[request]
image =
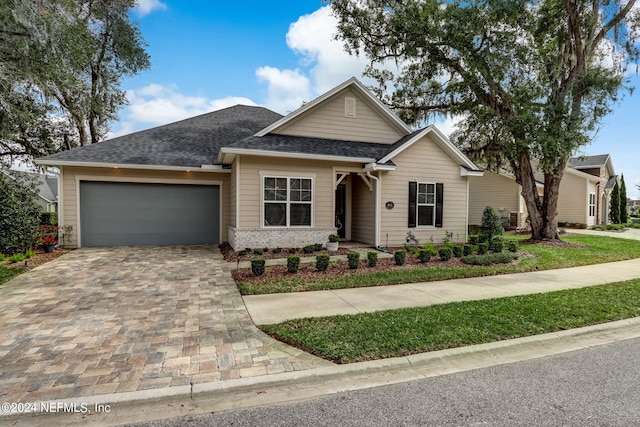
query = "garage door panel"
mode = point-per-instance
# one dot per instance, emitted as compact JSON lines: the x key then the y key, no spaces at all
{"x":116,"y":214}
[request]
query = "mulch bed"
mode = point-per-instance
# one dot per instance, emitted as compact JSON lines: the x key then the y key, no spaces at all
{"x":556,"y":243}
{"x":40,"y":258}
{"x":232,"y":256}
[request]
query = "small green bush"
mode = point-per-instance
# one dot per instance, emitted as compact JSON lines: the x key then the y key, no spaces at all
{"x":424,"y":255}
{"x":468,"y":249}
{"x":497,"y":246}
{"x":265,"y":250}
{"x":372,"y":259}
{"x":491,"y":224}
{"x":248,"y":250}
{"x":258,"y":251}
{"x":258,"y":266}
{"x":293,"y":263}
{"x":474,"y":240}
{"x":457,"y":251}
{"x":2,"y":257}
{"x":276,"y":250}
{"x":29,"y":253}
{"x":429,"y":247}
{"x":49,"y":218}
{"x":354,"y":260}
{"x":412,"y":249}
{"x":242,"y":253}
{"x":445,"y":253}
{"x":16,"y":258}
{"x":322,"y":262}
{"x":483,"y":248}
{"x":488,"y":259}
{"x":309,"y":249}
{"x":293,"y":250}
{"x":399,"y":257}
{"x":317,"y":246}
{"x":512,"y":245}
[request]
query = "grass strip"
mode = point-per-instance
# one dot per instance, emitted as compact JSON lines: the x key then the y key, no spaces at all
{"x":391,"y":333}
{"x":7,"y":273}
{"x":601,"y":249}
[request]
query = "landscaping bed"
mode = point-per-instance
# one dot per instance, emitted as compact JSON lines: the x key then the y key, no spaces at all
{"x":9,"y":270}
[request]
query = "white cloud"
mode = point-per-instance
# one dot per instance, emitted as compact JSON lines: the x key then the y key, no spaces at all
{"x":323,"y":65}
{"x":155,"y":105}
{"x":287,"y":89}
{"x":145,"y":7}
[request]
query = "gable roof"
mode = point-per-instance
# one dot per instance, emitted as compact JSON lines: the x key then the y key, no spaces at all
{"x":587,"y":162}
{"x":46,"y":186}
{"x":189,"y":143}
{"x":357,"y":87}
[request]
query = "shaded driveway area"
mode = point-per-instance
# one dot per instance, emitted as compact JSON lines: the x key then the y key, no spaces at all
{"x":108,"y":320}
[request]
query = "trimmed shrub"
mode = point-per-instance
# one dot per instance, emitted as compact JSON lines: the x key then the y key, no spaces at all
{"x":19,"y":216}
{"x":491,"y":224}
{"x":293,"y":250}
{"x":424,"y":255}
{"x":354,"y":260}
{"x":322,"y":262}
{"x":497,"y":246}
{"x":258,"y":266}
{"x":488,"y":259}
{"x":309,"y":249}
{"x":242,"y":253}
{"x":265,"y":250}
{"x":258,"y":251}
{"x":468,"y":250}
{"x":483,"y":248}
{"x":49,"y":218}
{"x":412,"y":249}
{"x":276,"y":250}
{"x":457,"y":251}
{"x":512,"y":245}
{"x":29,"y":253}
{"x":293,"y":263}
{"x":372,"y":259}
{"x":399,"y":257}
{"x":429,"y":247}
{"x":248,"y":250}
{"x":474,"y":240}
{"x":317,"y":247}
{"x":445,"y":253}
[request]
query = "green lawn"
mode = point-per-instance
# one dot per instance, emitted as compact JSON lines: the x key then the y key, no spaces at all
{"x":384,"y":334}
{"x":601,"y":249}
{"x":7,"y":273}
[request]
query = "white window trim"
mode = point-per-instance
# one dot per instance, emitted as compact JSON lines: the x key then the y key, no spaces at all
{"x":592,"y":205}
{"x":288,"y":177}
{"x":418,"y":204}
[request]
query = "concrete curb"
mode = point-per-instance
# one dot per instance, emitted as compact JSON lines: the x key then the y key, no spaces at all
{"x":144,"y":405}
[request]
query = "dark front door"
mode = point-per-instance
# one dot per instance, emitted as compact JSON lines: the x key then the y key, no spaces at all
{"x":341,"y":210}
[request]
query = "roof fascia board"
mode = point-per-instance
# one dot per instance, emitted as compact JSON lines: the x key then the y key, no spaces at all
{"x":383,"y":109}
{"x":441,"y":139}
{"x":581,"y":174}
{"x":207,"y":168}
{"x":293,"y":155}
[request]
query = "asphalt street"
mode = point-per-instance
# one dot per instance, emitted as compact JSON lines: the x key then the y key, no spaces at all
{"x":599,"y":386}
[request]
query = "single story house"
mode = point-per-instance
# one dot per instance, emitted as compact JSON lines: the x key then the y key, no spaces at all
{"x":44,"y":187}
{"x":343,"y":163}
{"x":584,"y":194}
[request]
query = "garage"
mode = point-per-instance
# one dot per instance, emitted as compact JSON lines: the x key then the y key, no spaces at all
{"x":144,"y":214}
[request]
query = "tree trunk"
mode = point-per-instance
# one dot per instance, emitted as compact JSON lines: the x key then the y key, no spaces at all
{"x":543,"y":213}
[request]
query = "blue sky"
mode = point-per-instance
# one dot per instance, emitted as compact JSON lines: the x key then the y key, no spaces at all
{"x":209,"y":55}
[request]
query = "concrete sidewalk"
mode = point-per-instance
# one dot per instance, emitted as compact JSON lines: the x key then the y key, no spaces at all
{"x":275,"y":308}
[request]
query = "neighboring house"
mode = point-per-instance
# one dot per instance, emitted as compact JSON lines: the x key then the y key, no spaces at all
{"x":44,"y":187}
{"x":584,"y":194}
{"x":341,"y":163}
{"x":633,"y":206}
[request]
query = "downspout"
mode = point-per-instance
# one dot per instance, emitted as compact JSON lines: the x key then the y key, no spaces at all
{"x":377,"y":217}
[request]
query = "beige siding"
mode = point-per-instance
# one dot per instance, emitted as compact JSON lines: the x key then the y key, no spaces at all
{"x":426,"y":162}
{"x":70,"y":178}
{"x":233,"y":181}
{"x":499,"y":192}
{"x":363,"y":212}
{"x":250,"y":186}
{"x":573,"y":200}
{"x":328,"y":120}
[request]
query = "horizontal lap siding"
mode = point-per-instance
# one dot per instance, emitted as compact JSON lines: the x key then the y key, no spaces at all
{"x":250,"y":187}
{"x":424,"y":161}
{"x":328,"y":121}
{"x":573,"y":200}
{"x":492,"y":190}
{"x":70,"y":201}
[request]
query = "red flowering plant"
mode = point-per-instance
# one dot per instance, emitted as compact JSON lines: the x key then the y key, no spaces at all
{"x":46,"y":241}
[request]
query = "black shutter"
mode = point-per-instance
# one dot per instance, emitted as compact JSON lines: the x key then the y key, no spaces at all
{"x":439,"y":203}
{"x":413,"y":197}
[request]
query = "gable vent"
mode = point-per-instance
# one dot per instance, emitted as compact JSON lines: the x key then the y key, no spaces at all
{"x":349,"y":107}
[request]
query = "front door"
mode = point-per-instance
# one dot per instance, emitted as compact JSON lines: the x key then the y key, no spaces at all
{"x":341,"y":210}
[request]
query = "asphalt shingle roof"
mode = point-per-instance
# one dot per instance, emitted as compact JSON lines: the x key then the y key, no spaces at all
{"x":587,"y":161}
{"x":190,"y":143}
{"x":46,"y":186}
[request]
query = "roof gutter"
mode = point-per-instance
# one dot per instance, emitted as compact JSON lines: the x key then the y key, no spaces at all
{"x":291,"y":155}
{"x":202,"y":168}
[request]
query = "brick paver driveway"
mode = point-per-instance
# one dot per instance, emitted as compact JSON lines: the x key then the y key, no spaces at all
{"x":106,"y":320}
